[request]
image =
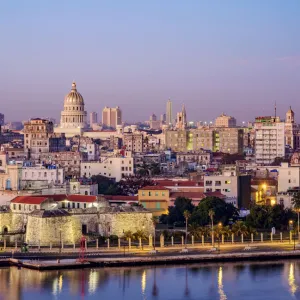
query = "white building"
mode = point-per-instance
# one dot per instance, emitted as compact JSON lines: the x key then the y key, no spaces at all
{"x":226,"y":185}
{"x":269,"y":139}
{"x":50,"y":174}
{"x":73,"y":117}
{"x":115,"y":166}
{"x":288,"y":177}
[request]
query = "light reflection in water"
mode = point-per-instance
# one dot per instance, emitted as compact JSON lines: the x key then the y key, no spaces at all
{"x":220,"y":284}
{"x":57,"y":285}
{"x":93,"y":281}
{"x":292,"y":283}
{"x":143,"y":283}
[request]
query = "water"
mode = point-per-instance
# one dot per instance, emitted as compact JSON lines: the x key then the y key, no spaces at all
{"x":269,"y":280}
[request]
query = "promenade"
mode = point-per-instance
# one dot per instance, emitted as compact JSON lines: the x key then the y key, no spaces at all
{"x":67,"y":258}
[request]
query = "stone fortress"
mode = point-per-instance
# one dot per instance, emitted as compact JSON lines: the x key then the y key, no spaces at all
{"x":63,"y":219}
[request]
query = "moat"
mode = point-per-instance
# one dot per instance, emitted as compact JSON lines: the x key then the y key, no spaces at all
{"x":255,"y":280}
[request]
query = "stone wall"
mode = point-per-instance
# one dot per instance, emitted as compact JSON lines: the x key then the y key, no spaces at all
{"x":53,"y":230}
{"x":117,"y":223}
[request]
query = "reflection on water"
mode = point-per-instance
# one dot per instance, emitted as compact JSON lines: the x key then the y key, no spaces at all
{"x":273,"y":280}
{"x":292,"y":281}
{"x":220,"y":284}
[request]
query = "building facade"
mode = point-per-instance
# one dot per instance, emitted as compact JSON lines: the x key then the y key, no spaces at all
{"x":269,"y":139}
{"x":111,"y":117}
{"x":169,"y":113}
{"x":225,"y":121}
{"x":39,"y":138}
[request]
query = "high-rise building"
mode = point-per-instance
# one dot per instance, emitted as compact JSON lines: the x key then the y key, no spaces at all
{"x":169,"y":114}
{"x":269,"y":139}
{"x":163,"y":118}
{"x":93,"y":118}
{"x":225,"y":121}
{"x":1,"y":119}
{"x":111,"y":117}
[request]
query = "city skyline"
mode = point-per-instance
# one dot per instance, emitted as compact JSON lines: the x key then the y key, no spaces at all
{"x":237,"y":58}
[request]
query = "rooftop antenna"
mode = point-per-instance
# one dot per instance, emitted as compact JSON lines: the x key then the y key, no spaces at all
{"x":275,"y":109}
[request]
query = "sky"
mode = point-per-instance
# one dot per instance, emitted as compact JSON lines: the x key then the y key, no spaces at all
{"x":236,"y":57}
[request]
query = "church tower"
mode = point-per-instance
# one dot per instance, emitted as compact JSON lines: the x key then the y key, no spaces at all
{"x":181,"y":119}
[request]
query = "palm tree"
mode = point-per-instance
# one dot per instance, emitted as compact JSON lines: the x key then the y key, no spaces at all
{"x":186,"y":215}
{"x":194,"y":230}
{"x":226,"y":231}
{"x":155,"y":222}
{"x":296,"y":205}
{"x":211,"y":214}
{"x":128,"y":235}
{"x":240,"y":228}
{"x":205,"y":231}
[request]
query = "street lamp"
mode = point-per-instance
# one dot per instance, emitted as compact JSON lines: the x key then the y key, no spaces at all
{"x":291,"y":222}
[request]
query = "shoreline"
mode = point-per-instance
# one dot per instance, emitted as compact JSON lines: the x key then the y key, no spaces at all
{"x":152,"y":260}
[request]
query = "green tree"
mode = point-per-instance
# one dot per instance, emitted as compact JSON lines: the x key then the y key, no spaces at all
{"x":296,"y":206}
{"x":239,"y":228}
{"x":223,"y":211}
{"x":154,"y":222}
{"x":186,"y":215}
{"x":140,"y":234}
{"x":128,"y":235}
{"x":195,"y":230}
{"x":176,"y":212}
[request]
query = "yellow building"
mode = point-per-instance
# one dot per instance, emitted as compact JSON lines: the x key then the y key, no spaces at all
{"x":156,"y":199}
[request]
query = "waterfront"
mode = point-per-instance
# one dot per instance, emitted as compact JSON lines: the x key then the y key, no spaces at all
{"x":267,"y":280}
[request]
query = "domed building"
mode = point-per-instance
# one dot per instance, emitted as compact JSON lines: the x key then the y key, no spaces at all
{"x":73,"y":117}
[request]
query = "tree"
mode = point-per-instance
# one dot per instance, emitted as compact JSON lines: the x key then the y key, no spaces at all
{"x":266,"y":217}
{"x":223,"y":211}
{"x":176,"y":212}
{"x":205,"y":231}
{"x":186,"y":215}
{"x":239,"y":228}
{"x":194,"y":230}
{"x":226,"y":231}
{"x":128,"y":235}
{"x":140,"y":234}
{"x":154,"y":222}
{"x":106,"y":186}
{"x":211,"y":214}
{"x":296,"y":205}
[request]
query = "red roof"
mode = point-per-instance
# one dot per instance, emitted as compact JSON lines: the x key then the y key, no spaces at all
{"x":191,"y":195}
{"x":124,"y":198}
{"x":29,"y":199}
{"x":32,"y":199}
{"x":215,"y":194}
{"x":154,"y":187}
{"x":179,"y":183}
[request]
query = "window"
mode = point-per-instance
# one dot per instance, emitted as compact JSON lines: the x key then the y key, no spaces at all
{"x":156,"y":194}
{"x":73,"y":205}
{"x":143,"y":193}
{"x":227,"y":181}
{"x":20,"y":207}
{"x":157,"y":205}
{"x":14,"y":206}
{"x":69,"y":205}
{"x":35,"y":207}
{"x":218,"y":183}
{"x":78,"y":205}
{"x":86,"y":193}
{"x":162,"y":193}
{"x":150,"y":193}
{"x":84,"y":205}
{"x":63,"y":205}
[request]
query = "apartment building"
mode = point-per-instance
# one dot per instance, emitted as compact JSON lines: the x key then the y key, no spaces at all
{"x":269,"y":139}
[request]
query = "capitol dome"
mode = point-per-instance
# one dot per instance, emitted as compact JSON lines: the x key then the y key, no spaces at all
{"x":73,"y":115}
{"x":74,"y":97}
